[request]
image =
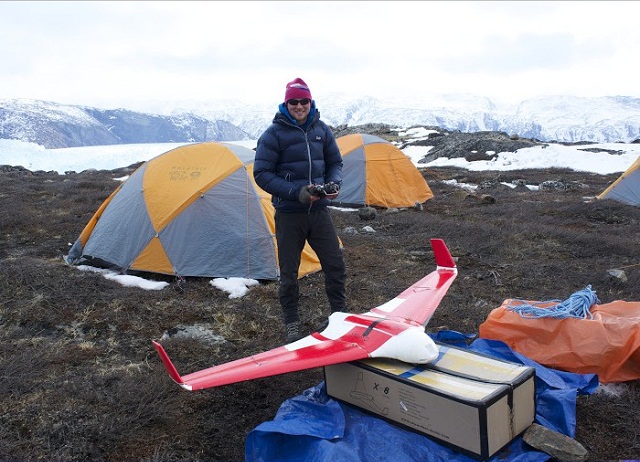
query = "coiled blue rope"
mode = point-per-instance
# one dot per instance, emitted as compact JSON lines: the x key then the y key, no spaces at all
{"x":578,"y":305}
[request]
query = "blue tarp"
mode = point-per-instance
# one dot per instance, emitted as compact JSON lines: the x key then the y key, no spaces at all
{"x":314,"y":427}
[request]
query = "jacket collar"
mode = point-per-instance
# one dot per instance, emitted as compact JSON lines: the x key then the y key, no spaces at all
{"x":282,"y":108}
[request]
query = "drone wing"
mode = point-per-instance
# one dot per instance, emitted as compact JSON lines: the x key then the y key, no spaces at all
{"x":395,"y":329}
{"x":307,"y":353}
{"x":420,"y":301}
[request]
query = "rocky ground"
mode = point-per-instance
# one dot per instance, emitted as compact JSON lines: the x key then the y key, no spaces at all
{"x":80,"y":381}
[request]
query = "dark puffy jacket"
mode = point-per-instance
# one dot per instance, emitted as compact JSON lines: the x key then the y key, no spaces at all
{"x":290,"y":157}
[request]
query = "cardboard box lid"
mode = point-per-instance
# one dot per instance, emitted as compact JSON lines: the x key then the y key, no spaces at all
{"x":477,"y":366}
{"x":458,"y":388}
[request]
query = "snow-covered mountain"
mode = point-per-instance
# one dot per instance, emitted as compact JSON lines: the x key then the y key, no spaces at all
{"x":54,"y":125}
{"x":550,"y":118}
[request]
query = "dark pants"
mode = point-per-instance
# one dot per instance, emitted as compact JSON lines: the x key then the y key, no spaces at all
{"x":316,"y":227}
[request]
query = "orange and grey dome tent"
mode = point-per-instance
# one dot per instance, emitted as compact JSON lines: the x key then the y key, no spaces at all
{"x":626,"y":188}
{"x":377,"y":173}
{"x":192,"y":211}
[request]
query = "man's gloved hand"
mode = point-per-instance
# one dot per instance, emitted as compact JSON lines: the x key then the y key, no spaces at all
{"x":332,"y":190}
{"x":305,"y":196}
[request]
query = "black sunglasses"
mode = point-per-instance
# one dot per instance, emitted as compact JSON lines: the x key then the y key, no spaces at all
{"x":295,"y":102}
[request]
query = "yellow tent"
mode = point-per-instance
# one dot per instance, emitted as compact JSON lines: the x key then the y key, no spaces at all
{"x":192,"y":211}
{"x":377,"y":173}
{"x":626,"y":188}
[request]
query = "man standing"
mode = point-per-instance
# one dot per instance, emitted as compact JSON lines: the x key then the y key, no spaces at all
{"x":298,"y":162}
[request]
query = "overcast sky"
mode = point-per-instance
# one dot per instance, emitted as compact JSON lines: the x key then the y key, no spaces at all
{"x":141,"y":55}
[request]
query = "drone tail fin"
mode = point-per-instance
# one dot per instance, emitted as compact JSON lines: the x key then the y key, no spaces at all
{"x":171,"y":369}
{"x":442,"y":255}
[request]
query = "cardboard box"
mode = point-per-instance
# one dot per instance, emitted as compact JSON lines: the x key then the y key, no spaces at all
{"x":471,"y":402}
{"x":483,"y":368}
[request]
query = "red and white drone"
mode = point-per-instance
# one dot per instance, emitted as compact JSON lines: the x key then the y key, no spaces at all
{"x":395,"y":329}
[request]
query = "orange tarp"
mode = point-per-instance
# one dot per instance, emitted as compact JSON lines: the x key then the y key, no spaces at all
{"x":607,"y":345}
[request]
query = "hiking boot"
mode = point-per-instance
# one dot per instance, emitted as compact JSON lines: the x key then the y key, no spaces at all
{"x":293,"y":332}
